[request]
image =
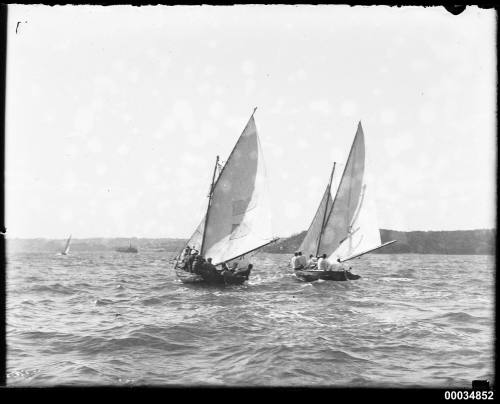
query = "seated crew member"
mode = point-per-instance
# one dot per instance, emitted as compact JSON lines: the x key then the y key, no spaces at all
{"x":186,"y":252}
{"x":323,"y":263}
{"x":294,"y":259}
{"x":296,"y":262}
{"x":209,"y":266}
{"x":337,"y":266}
{"x":245,"y":271}
{"x":185,"y":264}
{"x":197,"y":264}
{"x":302,"y":260}
{"x":191,"y":259}
{"x":313,"y":261}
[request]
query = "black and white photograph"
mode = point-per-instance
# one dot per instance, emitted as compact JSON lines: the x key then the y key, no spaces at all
{"x":251,"y":196}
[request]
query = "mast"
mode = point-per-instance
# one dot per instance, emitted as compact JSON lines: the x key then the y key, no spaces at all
{"x":208,"y":206}
{"x":326,"y":208}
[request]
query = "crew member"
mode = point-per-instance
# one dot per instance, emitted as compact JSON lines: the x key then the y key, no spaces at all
{"x":296,"y":264}
{"x":302,"y":260}
{"x":337,"y":266}
{"x":186,"y":252}
{"x":197,"y":264}
{"x":209,"y":266}
{"x":323,"y":263}
{"x":313,"y":261}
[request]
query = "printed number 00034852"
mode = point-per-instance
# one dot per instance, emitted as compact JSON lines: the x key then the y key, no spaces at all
{"x":468,"y":395}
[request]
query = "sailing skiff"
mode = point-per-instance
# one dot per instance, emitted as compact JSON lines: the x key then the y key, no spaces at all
{"x":66,"y":249}
{"x":344,"y":227}
{"x":237,"y":222}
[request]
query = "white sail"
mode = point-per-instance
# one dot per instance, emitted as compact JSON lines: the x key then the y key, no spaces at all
{"x":365,"y":233}
{"x":345,"y":203}
{"x":195,"y":239}
{"x":239,"y":217}
{"x":352,"y":227}
{"x":310,"y":243}
{"x":66,"y":249}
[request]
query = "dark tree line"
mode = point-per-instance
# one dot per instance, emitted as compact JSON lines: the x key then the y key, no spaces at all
{"x":460,"y":242}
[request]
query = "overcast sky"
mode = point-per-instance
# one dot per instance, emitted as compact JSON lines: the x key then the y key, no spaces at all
{"x":115,"y":114}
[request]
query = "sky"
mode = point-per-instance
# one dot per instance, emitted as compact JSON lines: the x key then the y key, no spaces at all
{"x":115,"y":114}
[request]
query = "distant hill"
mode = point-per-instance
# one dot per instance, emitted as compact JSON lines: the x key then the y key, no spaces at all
{"x":459,"y":242}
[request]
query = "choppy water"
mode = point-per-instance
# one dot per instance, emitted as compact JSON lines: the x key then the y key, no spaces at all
{"x":111,"y":318}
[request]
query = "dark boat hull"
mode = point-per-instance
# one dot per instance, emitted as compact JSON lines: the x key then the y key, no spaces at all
{"x":314,"y":275}
{"x":127,"y":250}
{"x":188,"y":277}
{"x":213,"y":278}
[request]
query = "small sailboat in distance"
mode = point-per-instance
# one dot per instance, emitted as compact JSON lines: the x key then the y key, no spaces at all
{"x":237,"y":221}
{"x":66,"y":249}
{"x":344,"y":227}
{"x":129,"y":249}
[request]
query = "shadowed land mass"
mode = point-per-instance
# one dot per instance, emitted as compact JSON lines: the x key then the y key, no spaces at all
{"x":416,"y":242}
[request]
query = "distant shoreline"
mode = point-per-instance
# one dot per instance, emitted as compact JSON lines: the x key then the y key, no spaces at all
{"x":451,"y":242}
{"x":446,"y":242}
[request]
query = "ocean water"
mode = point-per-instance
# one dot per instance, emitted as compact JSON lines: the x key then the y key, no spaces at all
{"x":107,"y":318}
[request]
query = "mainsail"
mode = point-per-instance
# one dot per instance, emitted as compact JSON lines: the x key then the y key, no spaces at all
{"x":66,"y":249}
{"x":238,"y":218}
{"x":338,"y":223}
{"x":350,"y":228}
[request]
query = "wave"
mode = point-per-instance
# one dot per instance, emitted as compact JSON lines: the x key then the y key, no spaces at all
{"x":137,"y":341}
{"x":103,"y":302}
{"x":397,"y":279}
{"x":56,"y":288}
{"x":151,"y":301}
{"x":459,"y":317}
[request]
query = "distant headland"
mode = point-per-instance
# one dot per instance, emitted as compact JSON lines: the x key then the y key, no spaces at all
{"x":456,"y":242}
